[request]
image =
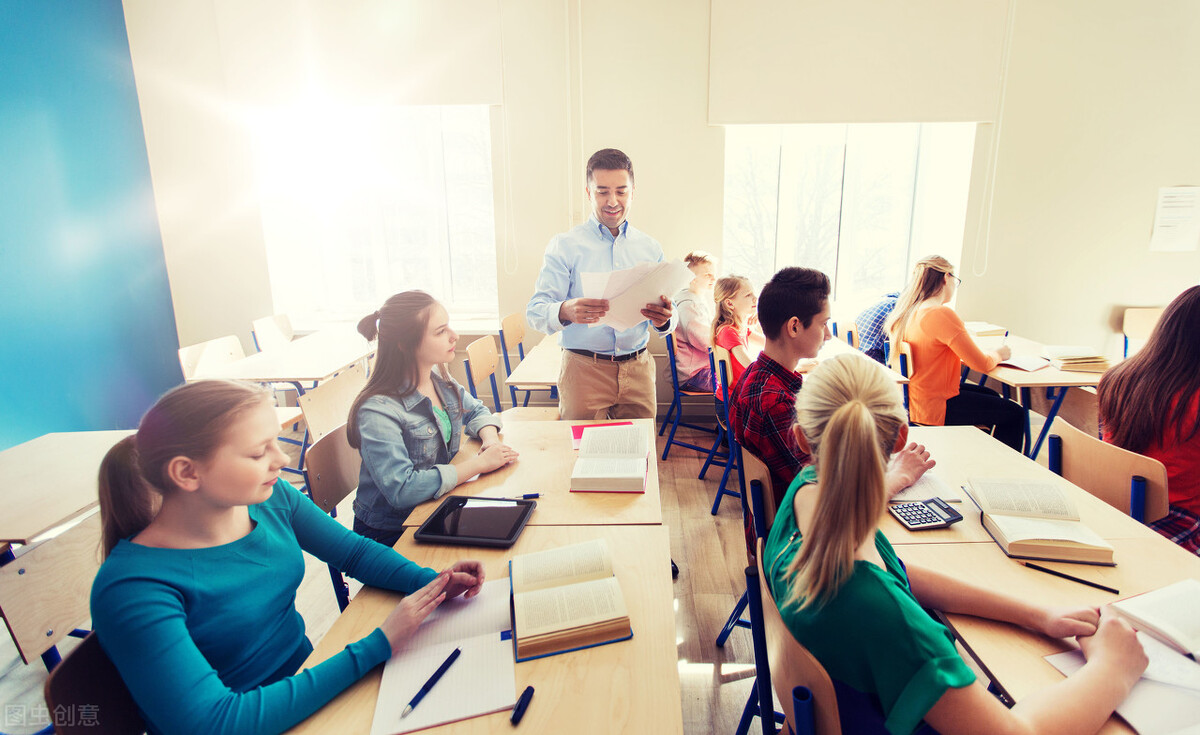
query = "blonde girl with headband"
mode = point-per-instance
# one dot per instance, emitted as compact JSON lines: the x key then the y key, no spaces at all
{"x":735,"y":326}
{"x":848,"y":599}
{"x":407,"y":423}
{"x":202,"y":539}
{"x":940,"y":346}
{"x":693,"y":336}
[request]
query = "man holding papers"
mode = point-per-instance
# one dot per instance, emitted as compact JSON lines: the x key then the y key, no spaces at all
{"x":606,"y":372}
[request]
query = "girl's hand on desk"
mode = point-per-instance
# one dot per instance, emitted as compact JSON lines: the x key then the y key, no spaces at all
{"x":466,"y":579}
{"x":496,"y":456}
{"x":414,"y":608}
{"x":1115,"y":645}
{"x":1068,"y":622}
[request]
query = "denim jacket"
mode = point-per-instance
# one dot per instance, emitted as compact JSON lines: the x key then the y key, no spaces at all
{"x":405,"y":461}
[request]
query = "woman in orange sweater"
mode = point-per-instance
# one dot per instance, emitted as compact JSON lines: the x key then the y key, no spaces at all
{"x":940,"y":345}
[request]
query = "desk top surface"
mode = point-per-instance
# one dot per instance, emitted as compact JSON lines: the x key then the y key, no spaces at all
{"x":313,"y":357}
{"x":1013,"y":655}
{"x":544,"y":466}
{"x":49,"y":480}
{"x":540,"y":367}
{"x":628,"y":687}
{"x":1047,"y":377}
{"x":963,"y":452}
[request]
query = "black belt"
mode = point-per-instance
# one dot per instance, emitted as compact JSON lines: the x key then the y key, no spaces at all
{"x":607,"y":358}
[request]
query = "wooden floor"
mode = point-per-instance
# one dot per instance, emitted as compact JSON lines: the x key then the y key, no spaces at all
{"x":709,"y":550}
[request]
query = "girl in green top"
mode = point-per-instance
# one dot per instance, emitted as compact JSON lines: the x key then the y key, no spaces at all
{"x":847,"y":597}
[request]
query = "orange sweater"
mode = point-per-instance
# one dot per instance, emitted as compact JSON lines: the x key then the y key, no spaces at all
{"x":940,"y":343}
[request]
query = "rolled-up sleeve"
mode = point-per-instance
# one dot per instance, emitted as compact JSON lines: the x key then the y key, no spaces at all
{"x":385,"y":456}
{"x":552,"y":289}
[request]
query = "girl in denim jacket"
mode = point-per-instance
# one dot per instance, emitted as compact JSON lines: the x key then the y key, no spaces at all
{"x":407,"y":423}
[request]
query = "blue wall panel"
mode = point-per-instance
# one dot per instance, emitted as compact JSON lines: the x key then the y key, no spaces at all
{"x":87,"y":330}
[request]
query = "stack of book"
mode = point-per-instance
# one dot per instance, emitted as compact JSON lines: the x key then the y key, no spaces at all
{"x":985,"y":329}
{"x":1075,"y":357}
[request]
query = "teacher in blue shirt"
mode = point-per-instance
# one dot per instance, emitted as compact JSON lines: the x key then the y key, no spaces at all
{"x":605,"y":373}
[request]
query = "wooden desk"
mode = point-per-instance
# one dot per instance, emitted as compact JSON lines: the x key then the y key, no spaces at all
{"x":1049,"y":377}
{"x":545,"y":467}
{"x":626,"y":687}
{"x":1012,"y":655}
{"x":962,"y":452}
{"x":540,"y":368}
{"x":312,"y":358}
{"x":50,"y":480}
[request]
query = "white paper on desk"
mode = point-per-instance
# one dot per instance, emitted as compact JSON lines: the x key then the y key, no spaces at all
{"x":1176,"y":220}
{"x":1152,"y":707}
{"x":481,"y":681}
{"x":928,"y":486}
{"x":628,"y":291}
{"x":1028,"y":363}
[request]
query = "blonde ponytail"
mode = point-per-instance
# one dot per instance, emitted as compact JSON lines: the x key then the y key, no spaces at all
{"x":928,"y":278}
{"x":851,"y":414}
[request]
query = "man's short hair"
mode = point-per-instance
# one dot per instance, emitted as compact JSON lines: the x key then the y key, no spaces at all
{"x":792,"y":292}
{"x":609,"y":159}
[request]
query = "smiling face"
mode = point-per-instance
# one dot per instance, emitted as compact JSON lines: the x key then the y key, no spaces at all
{"x":611,"y":194}
{"x":437,"y":346}
{"x":244,"y":468}
{"x":743,"y":304}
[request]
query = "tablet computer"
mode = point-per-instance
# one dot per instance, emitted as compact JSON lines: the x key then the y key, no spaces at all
{"x":465,"y":521}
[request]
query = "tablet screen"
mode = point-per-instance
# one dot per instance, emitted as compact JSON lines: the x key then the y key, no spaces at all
{"x":476,"y":518}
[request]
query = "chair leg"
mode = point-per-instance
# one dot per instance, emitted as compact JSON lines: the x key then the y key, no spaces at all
{"x":749,"y":711}
{"x":712,"y":453}
{"x":340,"y":589}
{"x":722,"y":491}
{"x":734,"y":621}
{"x":675,"y":403}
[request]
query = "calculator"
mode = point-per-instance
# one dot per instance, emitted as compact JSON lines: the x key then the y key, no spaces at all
{"x":924,"y":514}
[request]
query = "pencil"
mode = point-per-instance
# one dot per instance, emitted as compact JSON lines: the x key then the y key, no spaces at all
{"x":1073,"y":579}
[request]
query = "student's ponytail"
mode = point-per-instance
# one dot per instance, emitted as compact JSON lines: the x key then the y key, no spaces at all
{"x":726,"y":288}
{"x":850,"y":412}
{"x":187,"y":421}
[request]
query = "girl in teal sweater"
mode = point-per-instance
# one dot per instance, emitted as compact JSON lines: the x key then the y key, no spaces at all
{"x":195,"y":601}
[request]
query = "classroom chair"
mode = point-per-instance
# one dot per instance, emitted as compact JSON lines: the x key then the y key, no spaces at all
{"x":85,"y":695}
{"x":720,"y":361}
{"x":675,"y":411}
{"x":800,"y":681}
{"x":1138,"y":323}
{"x":1130,"y":482}
{"x":512,"y":332}
{"x":480,"y":364}
{"x":754,"y":471}
{"x":330,"y":475}
{"x":327,"y":406}
{"x":852,"y":338}
{"x":45,"y":592}
{"x":272,"y":331}
{"x":903,"y":364}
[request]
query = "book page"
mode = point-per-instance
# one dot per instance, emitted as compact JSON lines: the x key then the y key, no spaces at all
{"x":560,"y":608}
{"x":928,"y":486}
{"x":564,"y":565}
{"x":614,"y":441}
{"x":486,"y":612}
{"x":1016,"y":528}
{"x":485,"y":670}
{"x":1029,"y":498}
{"x":1171,"y":609}
{"x":1029,"y":363}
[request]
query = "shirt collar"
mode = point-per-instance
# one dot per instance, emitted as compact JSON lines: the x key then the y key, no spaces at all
{"x":414,"y":397}
{"x":604,"y":231}
{"x":791,"y":378}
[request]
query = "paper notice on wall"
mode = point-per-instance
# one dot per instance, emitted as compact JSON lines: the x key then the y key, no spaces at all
{"x":1176,"y":220}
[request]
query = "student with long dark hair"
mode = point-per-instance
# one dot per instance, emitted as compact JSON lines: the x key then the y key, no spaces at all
{"x":408,"y":421}
{"x":195,"y":600}
{"x":940,"y":346}
{"x":847,"y":597}
{"x":1150,"y":404}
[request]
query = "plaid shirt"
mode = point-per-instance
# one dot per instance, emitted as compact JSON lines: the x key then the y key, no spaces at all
{"x":870,"y":326}
{"x":762,"y":412}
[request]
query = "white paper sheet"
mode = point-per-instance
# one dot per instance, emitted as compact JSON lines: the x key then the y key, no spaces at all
{"x":628,"y":291}
{"x":1176,"y":220}
{"x":928,"y":486}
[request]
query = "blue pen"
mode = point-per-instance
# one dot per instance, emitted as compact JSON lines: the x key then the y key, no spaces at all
{"x":429,"y":684}
{"x":526,"y":496}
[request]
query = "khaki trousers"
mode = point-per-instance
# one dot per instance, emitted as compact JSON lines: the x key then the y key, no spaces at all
{"x":592,"y":388}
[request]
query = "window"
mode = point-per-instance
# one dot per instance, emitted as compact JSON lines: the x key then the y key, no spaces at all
{"x":859,"y":202}
{"x":361,"y":203}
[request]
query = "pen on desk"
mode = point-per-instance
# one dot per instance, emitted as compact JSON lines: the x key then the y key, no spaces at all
{"x":429,"y":684}
{"x":526,"y":496}
{"x":521,"y":705}
{"x":1073,"y":579}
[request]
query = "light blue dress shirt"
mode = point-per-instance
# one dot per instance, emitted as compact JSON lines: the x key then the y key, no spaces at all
{"x":590,"y":248}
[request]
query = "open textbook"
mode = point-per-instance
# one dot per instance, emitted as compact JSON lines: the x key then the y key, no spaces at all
{"x":1171,"y":614}
{"x":566,"y":598}
{"x":612,"y":459}
{"x":629,"y":290}
{"x":1033,"y":519}
{"x":480,"y":627}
